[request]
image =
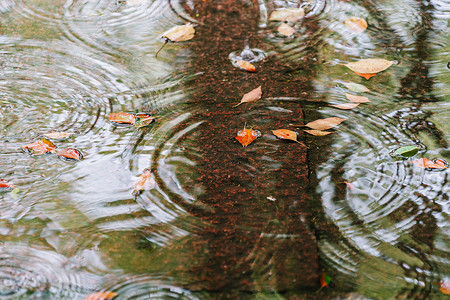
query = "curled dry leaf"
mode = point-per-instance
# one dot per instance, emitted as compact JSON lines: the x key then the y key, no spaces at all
{"x":40,"y":147}
{"x":122,"y":118}
{"x":356,"y":87}
{"x":428,"y":164}
{"x":145,"y":182}
{"x":246,"y":136}
{"x":356,"y":24}
{"x":179,"y":33}
{"x":245,"y":65}
{"x":252,"y":96}
{"x":369,"y":67}
{"x":317,"y":132}
{"x":5,"y":184}
{"x":56,"y":135}
{"x":445,"y":288}
{"x":357,"y":99}
{"x":287,"y":14}
{"x":286,"y":30}
{"x":286,"y":134}
{"x":324,"y":124}
{"x":101,"y":296}
{"x":70,"y":154}
{"x":345,"y":105}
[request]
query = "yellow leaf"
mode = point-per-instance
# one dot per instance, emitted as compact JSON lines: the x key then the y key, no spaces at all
{"x":287,"y":14}
{"x":56,"y":135}
{"x":323,"y":124}
{"x":345,"y":105}
{"x":356,"y":24}
{"x":252,"y":96}
{"x":286,"y":30}
{"x":357,"y":99}
{"x":369,"y":66}
{"x":180,"y":33}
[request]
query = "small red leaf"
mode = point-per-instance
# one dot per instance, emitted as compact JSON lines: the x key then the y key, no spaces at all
{"x":40,"y":147}
{"x":286,"y":134}
{"x":70,"y":153}
{"x":246,"y":136}
{"x":6,"y":184}
{"x":324,"y":280}
{"x":246,"y":65}
{"x":366,"y":76}
{"x":145,"y":182}
{"x":426,"y":163}
{"x":101,"y":296}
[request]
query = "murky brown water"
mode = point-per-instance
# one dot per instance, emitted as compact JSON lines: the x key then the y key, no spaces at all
{"x":222,"y":222}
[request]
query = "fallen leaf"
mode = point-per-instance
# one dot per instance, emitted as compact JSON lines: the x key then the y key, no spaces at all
{"x":179,"y":33}
{"x":40,"y":147}
{"x":15,"y":193}
{"x":445,"y":288}
{"x":246,"y":65}
{"x":286,"y":134}
{"x":143,"y":119}
{"x":324,"y":280}
{"x":5,"y":184}
{"x":145,"y":182}
{"x":317,"y":132}
{"x":426,"y":163}
{"x":287,"y":14}
{"x":350,"y":185}
{"x":246,"y":136}
{"x":323,"y":124}
{"x":356,"y":24}
{"x":356,"y":87}
{"x":70,"y":154}
{"x":369,"y":67}
{"x":406,"y":151}
{"x":56,"y":135}
{"x":286,"y":30}
{"x":357,"y":99}
{"x":101,"y":296}
{"x":252,"y":96}
{"x":122,"y":118}
{"x":366,"y":76}
{"x":345,"y":105}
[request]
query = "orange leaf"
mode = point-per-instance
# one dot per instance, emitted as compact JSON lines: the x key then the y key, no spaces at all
{"x":426,"y":163}
{"x":40,"y":147}
{"x":445,"y":288}
{"x":286,"y":30}
{"x":70,"y":153}
{"x":286,"y":134}
{"x":122,"y":118}
{"x":324,"y":280}
{"x":356,"y":24}
{"x":246,"y":136}
{"x":317,"y":132}
{"x":252,"y":96}
{"x":145,"y":182}
{"x":323,"y":124}
{"x":101,"y":296}
{"x":58,"y":135}
{"x":357,"y":99}
{"x":246,"y":65}
{"x":366,"y":76}
{"x":6,"y":184}
{"x":345,"y":105}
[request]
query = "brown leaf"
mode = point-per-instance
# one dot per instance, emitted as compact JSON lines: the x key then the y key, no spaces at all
{"x":145,"y":182}
{"x":317,"y":132}
{"x":286,"y":134}
{"x":324,"y":124}
{"x":345,"y":105}
{"x":246,"y":136}
{"x":426,"y":163}
{"x":287,"y":14}
{"x":70,"y":154}
{"x":370,"y":66}
{"x":252,"y":96}
{"x":356,"y":24}
{"x":122,"y":118}
{"x":101,"y":296}
{"x":286,"y":30}
{"x":40,"y":147}
{"x":6,"y":184}
{"x":56,"y":135}
{"x":246,"y":65}
{"x":357,"y":99}
{"x":180,"y":33}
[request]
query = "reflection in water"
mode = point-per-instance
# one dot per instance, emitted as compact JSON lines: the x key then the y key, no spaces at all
{"x":221,"y":220}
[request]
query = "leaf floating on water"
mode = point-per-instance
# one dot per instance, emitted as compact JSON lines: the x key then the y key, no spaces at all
{"x":286,"y":134}
{"x":324,"y":124}
{"x":356,"y":24}
{"x":287,"y":14}
{"x":345,"y":105}
{"x":70,"y":154}
{"x":56,"y":135}
{"x":246,"y":136}
{"x":357,"y":99}
{"x":369,"y":67}
{"x":317,"y":132}
{"x":350,"y":185}
{"x":143,"y":119}
{"x":122,"y":118}
{"x":180,"y":33}
{"x":356,"y":87}
{"x":245,"y":65}
{"x":445,"y":288}
{"x":101,"y":296}
{"x":4,"y":184}
{"x":286,"y":30}
{"x":406,"y":151}
{"x":15,"y":193}
{"x":428,"y":164}
{"x":324,"y":280}
{"x":40,"y":147}
{"x":252,"y":96}
{"x":145,"y":182}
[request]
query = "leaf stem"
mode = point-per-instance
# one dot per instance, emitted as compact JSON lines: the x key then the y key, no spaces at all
{"x":165,"y":42}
